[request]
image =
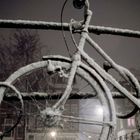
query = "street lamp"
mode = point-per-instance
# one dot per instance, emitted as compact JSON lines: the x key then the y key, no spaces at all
{"x":99,"y":110}
{"x":53,"y":133}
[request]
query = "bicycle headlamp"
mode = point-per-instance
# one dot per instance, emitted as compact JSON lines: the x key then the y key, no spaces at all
{"x":78,"y":4}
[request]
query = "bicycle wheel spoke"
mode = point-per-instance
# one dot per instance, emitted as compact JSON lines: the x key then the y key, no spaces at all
{"x":84,"y":121}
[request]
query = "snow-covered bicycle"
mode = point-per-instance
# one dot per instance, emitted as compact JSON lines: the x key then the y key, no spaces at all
{"x":66,"y":82}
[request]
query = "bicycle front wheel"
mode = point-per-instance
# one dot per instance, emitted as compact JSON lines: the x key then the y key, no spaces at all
{"x":89,"y":112}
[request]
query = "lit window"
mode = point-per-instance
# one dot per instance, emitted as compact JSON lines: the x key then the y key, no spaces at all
{"x":131,"y":122}
{"x":121,"y":123}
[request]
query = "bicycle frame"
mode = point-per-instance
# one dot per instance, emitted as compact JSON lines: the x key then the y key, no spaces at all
{"x":102,"y":74}
{"x":76,"y":57}
{"x":106,"y":76}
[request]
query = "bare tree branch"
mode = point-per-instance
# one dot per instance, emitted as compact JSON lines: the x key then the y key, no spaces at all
{"x":18,"y":50}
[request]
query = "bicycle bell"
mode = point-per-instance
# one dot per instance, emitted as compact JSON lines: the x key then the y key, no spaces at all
{"x":78,"y":4}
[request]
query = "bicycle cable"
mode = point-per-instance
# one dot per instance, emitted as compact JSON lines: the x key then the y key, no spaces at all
{"x":63,"y":34}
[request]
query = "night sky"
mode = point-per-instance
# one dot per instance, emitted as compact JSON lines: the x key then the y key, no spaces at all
{"x":113,"y":13}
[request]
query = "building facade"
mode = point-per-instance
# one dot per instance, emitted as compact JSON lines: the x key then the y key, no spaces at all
{"x":126,"y":128}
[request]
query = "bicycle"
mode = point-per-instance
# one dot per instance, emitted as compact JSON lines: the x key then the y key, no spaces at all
{"x":68,"y":69}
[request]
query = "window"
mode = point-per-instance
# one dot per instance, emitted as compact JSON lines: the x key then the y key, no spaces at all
{"x":121,"y":123}
{"x":8,"y":121}
{"x":7,"y":125}
{"x":39,"y":123}
{"x":31,"y":137}
{"x":20,"y":132}
{"x":6,"y":128}
{"x":66,"y":138}
{"x":131,"y":122}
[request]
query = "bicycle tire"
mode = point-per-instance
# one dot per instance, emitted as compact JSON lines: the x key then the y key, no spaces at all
{"x":134,"y":110}
{"x":87,"y":74}
{"x":3,"y":87}
{"x":128,"y":115}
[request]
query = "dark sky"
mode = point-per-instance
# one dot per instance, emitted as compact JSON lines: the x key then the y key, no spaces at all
{"x":113,"y":13}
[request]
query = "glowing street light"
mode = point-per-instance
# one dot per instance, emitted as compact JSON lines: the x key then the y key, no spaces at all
{"x":99,"y":110}
{"x":89,"y":137}
{"x":53,"y":133}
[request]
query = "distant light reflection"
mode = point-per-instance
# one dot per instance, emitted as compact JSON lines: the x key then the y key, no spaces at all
{"x":99,"y":110}
{"x":53,"y":133}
